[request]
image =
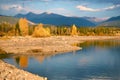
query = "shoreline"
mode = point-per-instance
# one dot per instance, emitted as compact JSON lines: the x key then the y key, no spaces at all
{"x":47,"y":45}
{"x":43,"y":46}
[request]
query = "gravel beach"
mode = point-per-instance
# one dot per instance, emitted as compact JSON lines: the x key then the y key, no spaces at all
{"x":9,"y":72}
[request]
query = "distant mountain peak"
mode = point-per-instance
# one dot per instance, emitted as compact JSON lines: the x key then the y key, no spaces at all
{"x":48,"y":13}
{"x":30,"y":13}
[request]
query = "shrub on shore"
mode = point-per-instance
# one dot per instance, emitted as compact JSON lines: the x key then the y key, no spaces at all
{"x":40,"y":31}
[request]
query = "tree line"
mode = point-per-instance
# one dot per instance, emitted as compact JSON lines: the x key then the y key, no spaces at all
{"x":22,"y":28}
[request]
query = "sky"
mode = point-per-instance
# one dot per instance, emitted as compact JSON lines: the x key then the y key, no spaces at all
{"x":78,"y":8}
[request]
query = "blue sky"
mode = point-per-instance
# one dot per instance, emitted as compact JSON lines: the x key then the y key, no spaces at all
{"x":78,"y":8}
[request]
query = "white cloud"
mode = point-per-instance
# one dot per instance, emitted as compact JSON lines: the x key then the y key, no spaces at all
{"x":112,"y":7}
{"x":18,"y":8}
{"x":14,"y":6}
{"x":85,"y":8}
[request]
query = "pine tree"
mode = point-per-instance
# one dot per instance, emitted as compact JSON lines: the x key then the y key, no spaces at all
{"x":17,"y":29}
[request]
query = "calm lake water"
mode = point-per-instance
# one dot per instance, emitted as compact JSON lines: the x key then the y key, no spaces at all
{"x":98,"y":60}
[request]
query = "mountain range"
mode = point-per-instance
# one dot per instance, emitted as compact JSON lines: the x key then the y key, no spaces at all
{"x":59,"y":20}
{"x":55,"y":19}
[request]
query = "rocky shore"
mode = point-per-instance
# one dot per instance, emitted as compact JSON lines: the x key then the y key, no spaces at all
{"x":9,"y":72}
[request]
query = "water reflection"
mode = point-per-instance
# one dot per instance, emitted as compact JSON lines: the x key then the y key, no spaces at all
{"x":23,"y":60}
{"x":3,"y":56}
{"x":102,"y":43}
{"x":40,"y":58}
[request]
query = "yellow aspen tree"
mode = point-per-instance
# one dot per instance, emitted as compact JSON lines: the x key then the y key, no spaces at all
{"x":48,"y":30}
{"x":74,"y":30}
{"x":23,"y":25}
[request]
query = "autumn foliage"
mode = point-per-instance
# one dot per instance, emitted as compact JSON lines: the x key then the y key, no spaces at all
{"x":23,"y":25}
{"x":74,"y":30}
{"x":40,"y":31}
{"x":22,"y":28}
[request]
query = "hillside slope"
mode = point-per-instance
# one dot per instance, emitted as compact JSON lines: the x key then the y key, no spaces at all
{"x":9,"y":19}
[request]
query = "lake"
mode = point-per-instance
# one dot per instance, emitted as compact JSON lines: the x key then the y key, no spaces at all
{"x":98,"y":60}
